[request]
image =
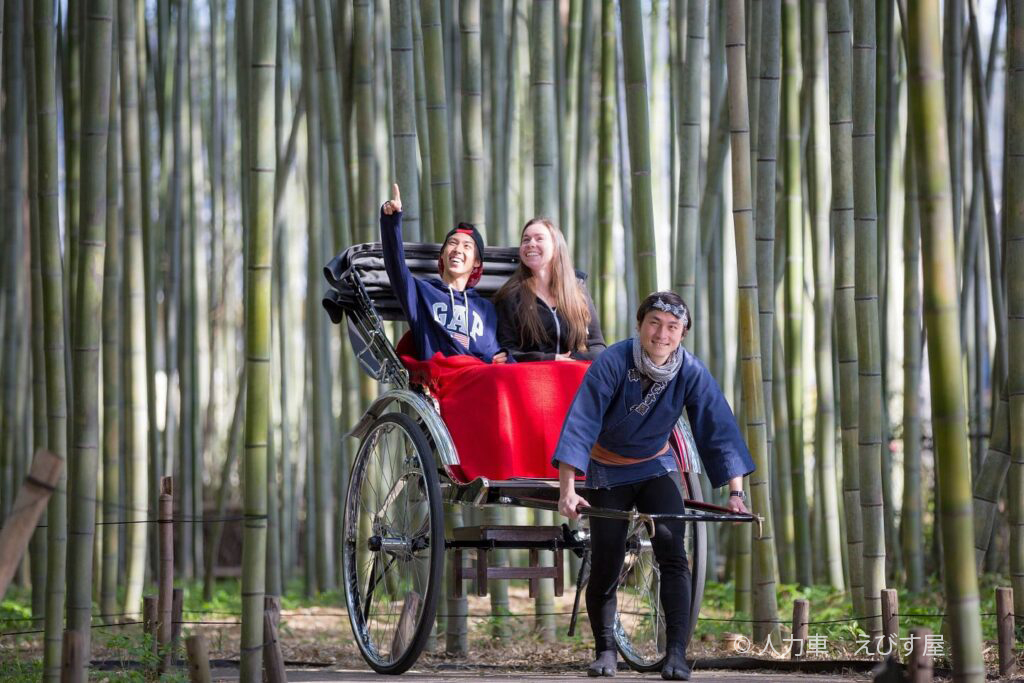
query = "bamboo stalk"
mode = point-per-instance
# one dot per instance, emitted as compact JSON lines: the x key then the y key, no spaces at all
{"x":841,"y":126}
{"x":362,"y":91}
{"x":583,"y":216}
{"x":474,"y":208}
{"x":212,"y":549}
{"x":794,"y":283}
{"x":766,"y":163}
{"x":332,"y":120}
{"x":944,"y":348}
{"x":912,"y":526}
{"x":71,"y":90}
{"x":149,"y":271}
{"x":136,"y":453}
{"x":426,"y":198}
{"x":112,"y":372}
{"x":53,"y":331}
{"x":437,"y":116}
{"x":258,"y":303}
{"x":821,"y":196}
{"x":638,"y":124}
{"x":186,"y":297}
{"x":1015,"y":299}
{"x":316,"y":339}
{"x":12,"y":322}
{"x":84,"y":459}
{"x":765,"y":606}
{"x":37,"y":548}
{"x":606,"y":168}
{"x":546,"y":203}
{"x":953,"y":68}
{"x":869,"y":452}
{"x":688,"y":196}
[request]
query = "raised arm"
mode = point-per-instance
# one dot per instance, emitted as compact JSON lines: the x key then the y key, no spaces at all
{"x":399,"y":275}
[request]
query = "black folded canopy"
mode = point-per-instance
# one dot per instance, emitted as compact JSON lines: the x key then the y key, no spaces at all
{"x":367,"y":262}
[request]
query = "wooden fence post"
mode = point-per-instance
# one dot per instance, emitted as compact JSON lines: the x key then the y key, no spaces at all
{"x":890,"y":623}
{"x":150,"y":617}
{"x":801,"y":615}
{"x":273,"y":660}
{"x":272,"y":604}
{"x":28,"y":506}
{"x":177,"y":616}
{"x":1004,"y":629}
{"x":920,"y":661}
{"x":198,"y":659}
{"x":165,"y":526}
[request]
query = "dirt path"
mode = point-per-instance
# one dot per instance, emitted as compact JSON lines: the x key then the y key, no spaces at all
{"x":335,"y":675}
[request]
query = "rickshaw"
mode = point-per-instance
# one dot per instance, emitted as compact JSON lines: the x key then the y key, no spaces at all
{"x":407,"y":467}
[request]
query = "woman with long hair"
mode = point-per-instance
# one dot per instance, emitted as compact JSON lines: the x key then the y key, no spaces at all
{"x":544,"y":310}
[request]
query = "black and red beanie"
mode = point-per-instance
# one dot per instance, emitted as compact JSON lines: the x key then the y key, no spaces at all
{"x":466,"y":229}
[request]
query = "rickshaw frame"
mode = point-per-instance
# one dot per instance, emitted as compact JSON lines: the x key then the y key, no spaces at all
{"x":350,"y":299}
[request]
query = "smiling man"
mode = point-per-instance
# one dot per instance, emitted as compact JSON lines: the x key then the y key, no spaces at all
{"x":617,"y":434}
{"x":445,"y":315}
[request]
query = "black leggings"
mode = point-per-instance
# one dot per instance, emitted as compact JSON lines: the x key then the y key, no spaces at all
{"x":608,"y":550}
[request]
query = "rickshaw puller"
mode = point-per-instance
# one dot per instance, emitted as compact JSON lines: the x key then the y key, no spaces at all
{"x":617,"y":434}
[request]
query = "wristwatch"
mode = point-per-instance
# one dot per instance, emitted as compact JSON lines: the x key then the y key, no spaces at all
{"x":738,"y":494}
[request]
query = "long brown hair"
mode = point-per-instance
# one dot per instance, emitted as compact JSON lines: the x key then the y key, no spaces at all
{"x":569,"y":293}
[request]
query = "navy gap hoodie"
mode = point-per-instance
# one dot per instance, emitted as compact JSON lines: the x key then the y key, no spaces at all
{"x":440,"y":317}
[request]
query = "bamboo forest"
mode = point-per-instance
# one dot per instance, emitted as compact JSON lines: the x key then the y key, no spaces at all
{"x":217,"y":448}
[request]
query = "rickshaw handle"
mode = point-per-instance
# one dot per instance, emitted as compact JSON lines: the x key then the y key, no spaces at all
{"x":648,"y":519}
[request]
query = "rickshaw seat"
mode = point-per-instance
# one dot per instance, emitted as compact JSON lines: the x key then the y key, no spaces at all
{"x":504,"y":419}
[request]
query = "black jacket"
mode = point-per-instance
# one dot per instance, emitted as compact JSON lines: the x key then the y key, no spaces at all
{"x":555,"y":328}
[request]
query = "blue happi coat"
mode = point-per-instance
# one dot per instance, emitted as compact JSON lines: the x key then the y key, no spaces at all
{"x":606,"y":411}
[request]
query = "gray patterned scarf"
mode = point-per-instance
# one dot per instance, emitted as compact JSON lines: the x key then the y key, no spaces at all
{"x":656,"y":373}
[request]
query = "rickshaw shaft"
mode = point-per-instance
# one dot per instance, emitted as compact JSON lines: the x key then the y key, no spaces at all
{"x":490,"y":544}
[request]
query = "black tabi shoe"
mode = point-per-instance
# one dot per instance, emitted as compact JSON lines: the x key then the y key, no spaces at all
{"x":675,"y":667}
{"x":605,"y":665}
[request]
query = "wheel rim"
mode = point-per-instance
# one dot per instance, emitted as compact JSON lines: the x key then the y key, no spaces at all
{"x":639,"y":619}
{"x":389,"y":542}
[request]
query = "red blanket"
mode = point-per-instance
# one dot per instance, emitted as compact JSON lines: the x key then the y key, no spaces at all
{"x":504,"y":419}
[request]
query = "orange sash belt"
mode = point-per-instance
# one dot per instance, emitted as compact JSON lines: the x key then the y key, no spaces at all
{"x":607,"y":457}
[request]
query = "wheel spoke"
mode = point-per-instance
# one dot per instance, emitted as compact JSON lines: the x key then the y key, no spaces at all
{"x":392,"y":515}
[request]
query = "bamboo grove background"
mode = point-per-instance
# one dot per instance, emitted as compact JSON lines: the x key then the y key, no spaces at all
{"x":833,"y":185}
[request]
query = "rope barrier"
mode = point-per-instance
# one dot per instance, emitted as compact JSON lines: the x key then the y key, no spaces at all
{"x":213,"y":611}
{"x":118,"y":625}
{"x":510,"y":615}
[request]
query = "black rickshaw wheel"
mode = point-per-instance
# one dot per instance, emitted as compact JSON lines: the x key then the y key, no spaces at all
{"x":393,"y":548}
{"x":639,"y":620}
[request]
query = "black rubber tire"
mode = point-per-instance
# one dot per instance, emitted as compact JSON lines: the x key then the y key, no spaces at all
{"x":371,"y":624}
